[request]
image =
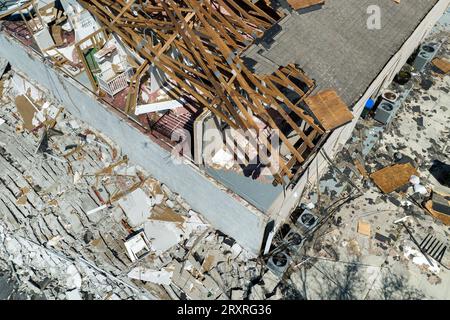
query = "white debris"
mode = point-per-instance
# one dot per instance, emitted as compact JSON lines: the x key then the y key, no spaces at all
{"x":237,"y":295}
{"x":159,"y":198}
{"x":77,"y":177}
{"x":67,"y":26}
{"x":126,"y":170}
{"x":223,"y":159}
{"x":114,"y":297}
{"x":418,"y":188}
{"x":2,"y":121}
{"x":90,"y":138}
{"x":194,"y":224}
{"x":137,"y":206}
{"x":270,"y":281}
{"x":163,"y":235}
{"x":170,"y":204}
{"x":73,"y":278}
{"x":414,"y":180}
{"x":310,"y":206}
{"x":419,"y":259}
{"x":257,"y":293}
{"x":158,"y":277}
{"x":74,"y":124}
{"x":237,"y":249}
{"x":93,"y":211}
{"x":53,"y":242}
{"x":73,"y":295}
{"x":406,"y":203}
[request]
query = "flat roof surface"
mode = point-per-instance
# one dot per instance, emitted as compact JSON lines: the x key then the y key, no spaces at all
{"x":334,"y":46}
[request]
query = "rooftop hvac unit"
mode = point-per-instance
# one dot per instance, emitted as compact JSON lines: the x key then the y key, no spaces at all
{"x":294,"y":238}
{"x":384,"y":112}
{"x":278,"y":263}
{"x":426,"y":53}
{"x":390,"y":96}
{"x":308,"y":220}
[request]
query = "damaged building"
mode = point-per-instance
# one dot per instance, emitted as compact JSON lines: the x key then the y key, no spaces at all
{"x":162,"y":78}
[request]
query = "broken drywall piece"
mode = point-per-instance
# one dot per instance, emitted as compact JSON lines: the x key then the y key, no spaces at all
{"x":93,"y":211}
{"x":53,"y":242}
{"x":2,"y":121}
{"x":73,"y":280}
{"x":74,"y":295}
{"x":236,"y":249}
{"x":163,"y":235}
{"x":162,"y":277}
{"x":157,"y":107}
{"x":77,"y":177}
{"x":137,"y":207}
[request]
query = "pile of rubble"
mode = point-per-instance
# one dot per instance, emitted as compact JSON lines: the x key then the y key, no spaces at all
{"x":385,"y":240}
{"x":79,"y":221}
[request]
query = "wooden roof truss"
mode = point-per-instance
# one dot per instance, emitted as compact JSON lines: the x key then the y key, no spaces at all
{"x":197,"y":45}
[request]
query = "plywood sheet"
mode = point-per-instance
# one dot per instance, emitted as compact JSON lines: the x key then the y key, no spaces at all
{"x":364,"y":228}
{"x":26,"y":110}
{"x":329,"y":109}
{"x":391,"y":178}
{"x":442,"y":65}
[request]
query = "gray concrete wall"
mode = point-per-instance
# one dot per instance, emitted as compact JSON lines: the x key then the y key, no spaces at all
{"x":220,"y":208}
{"x":283,"y":206}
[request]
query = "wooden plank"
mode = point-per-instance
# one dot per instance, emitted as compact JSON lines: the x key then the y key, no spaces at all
{"x":304,"y":4}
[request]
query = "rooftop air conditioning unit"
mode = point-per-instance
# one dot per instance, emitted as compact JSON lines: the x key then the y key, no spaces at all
{"x":390,"y":96}
{"x":278,"y":263}
{"x":307,"y":219}
{"x":384,"y":112}
{"x":425,"y":55}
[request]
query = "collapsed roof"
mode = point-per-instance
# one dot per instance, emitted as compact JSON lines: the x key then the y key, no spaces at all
{"x":197,"y":46}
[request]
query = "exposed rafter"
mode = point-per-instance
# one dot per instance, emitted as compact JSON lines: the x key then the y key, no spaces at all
{"x":197,"y":45}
